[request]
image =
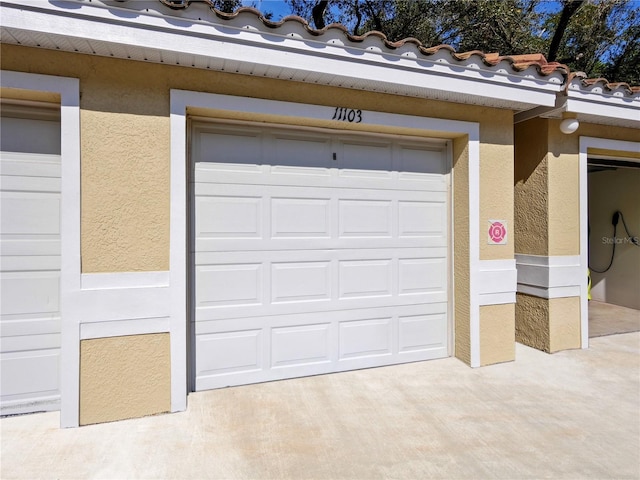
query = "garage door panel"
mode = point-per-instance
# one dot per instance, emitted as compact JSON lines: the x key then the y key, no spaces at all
{"x":29,"y":324}
{"x":30,"y":185}
{"x":227,"y":352}
{"x":422,"y":332}
{"x":307,"y":344}
{"x":308,"y":262}
{"x":292,"y":151}
{"x":206,"y":246}
{"x":323,"y":280}
{"x":27,"y":373}
{"x":362,"y":217}
{"x":29,"y":164}
{"x":366,"y":338}
{"x":30,"y":213}
{"x":293,"y":217}
{"x":220,"y":312}
{"x":228,"y":217}
{"x":421,"y":275}
{"x":262,"y":321}
{"x":281,"y":175}
{"x":30,"y":292}
{"x":416,"y":162}
{"x":283,"y":255}
{"x":229,"y":284}
{"x":231,"y":146}
{"x":30,"y":261}
{"x":300,"y":282}
{"x":300,"y":345}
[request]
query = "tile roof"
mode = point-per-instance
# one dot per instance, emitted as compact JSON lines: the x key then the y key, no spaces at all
{"x":518,"y":63}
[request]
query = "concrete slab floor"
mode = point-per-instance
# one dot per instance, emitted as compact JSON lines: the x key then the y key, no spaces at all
{"x":610,"y":319}
{"x":574,"y":414}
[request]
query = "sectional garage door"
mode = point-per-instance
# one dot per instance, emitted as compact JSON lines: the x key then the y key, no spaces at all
{"x":30,"y":259}
{"x":315,"y":252}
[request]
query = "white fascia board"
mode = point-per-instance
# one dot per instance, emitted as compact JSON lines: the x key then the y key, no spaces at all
{"x":249,"y":46}
{"x":608,"y":107}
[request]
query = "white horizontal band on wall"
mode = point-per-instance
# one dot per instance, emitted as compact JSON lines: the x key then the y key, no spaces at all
{"x":550,"y":276}
{"x":497,"y":281}
{"x":123,"y":303}
{"x":96,"y":281}
{"x":119,"y":328}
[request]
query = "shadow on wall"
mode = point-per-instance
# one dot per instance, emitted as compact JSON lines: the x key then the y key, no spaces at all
{"x":611,"y":190}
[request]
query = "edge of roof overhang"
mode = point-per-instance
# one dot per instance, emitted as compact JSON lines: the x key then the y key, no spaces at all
{"x":603,"y":102}
{"x":243,"y":46}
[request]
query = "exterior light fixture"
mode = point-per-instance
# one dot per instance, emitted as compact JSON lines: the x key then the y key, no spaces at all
{"x":569,"y":123}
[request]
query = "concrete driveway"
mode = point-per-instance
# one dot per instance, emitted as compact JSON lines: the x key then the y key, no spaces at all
{"x":574,"y":414}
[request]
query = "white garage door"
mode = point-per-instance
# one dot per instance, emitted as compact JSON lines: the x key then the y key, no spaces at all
{"x":30,"y":260}
{"x":315,"y":253}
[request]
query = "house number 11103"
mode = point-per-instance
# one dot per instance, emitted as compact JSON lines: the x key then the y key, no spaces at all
{"x":347,"y":115}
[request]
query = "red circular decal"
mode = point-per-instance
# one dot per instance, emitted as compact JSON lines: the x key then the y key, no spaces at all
{"x":497,"y":232}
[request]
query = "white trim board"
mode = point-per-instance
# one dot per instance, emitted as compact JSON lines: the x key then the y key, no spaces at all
{"x":497,"y":282}
{"x":96,"y":281}
{"x":585,"y":144}
{"x":181,"y":100}
{"x":69,"y":91}
{"x":119,"y":328}
{"x":549,"y":277}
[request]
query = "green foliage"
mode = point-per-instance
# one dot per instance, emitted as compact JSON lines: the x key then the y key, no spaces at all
{"x":601,"y":38}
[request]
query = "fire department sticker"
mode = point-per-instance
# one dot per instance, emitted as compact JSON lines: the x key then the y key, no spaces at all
{"x":497,"y":232}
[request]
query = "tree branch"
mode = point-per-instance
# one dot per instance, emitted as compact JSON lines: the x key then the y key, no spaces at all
{"x":568,"y":9}
{"x":318,"y":14}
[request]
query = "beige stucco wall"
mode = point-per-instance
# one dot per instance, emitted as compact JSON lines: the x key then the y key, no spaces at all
{"x":497,"y":334}
{"x":125,"y":146}
{"x":496,"y":181}
{"x":564,"y":323}
{"x":124,"y":377}
{"x":610,"y":191}
{"x":532,"y":321}
{"x":530,"y":187}
{"x":563,"y":192}
{"x":550,"y":325}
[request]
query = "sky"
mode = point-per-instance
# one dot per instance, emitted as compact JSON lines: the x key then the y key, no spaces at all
{"x":278,"y":7}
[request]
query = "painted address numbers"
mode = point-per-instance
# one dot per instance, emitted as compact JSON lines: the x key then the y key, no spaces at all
{"x":347,"y":115}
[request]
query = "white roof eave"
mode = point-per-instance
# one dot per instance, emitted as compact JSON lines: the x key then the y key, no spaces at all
{"x":604,"y":109}
{"x":117,"y":32}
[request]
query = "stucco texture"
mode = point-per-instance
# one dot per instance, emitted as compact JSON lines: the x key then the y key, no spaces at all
{"x":124,"y":377}
{"x":126,"y":146}
{"x":530,"y":188}
{"x":497,"y":334}
{"x":550,"y":325}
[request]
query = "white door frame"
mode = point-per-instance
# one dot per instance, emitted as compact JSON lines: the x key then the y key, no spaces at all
{"x":181,"y":100}
{"x":585,"y":144}
{"x":69,"y":91}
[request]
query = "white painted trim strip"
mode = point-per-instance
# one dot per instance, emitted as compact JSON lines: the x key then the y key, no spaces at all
{"x":180,"y":100}
{"x":119,"y":328}
{"x":110,"y":304}
{"x":497,"y":281}
{"x":550,"y":277}
{"x":474,"y":245}
{"x":96,"y":281}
